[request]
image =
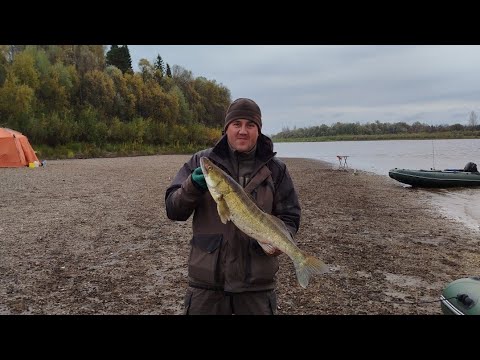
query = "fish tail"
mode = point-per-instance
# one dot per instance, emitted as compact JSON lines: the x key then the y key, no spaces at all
{"x":307,"y":267}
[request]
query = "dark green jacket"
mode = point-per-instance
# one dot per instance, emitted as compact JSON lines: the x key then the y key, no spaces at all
{"x":221,"y":256}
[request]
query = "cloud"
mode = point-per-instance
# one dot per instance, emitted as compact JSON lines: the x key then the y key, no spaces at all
{"x":307,"y":85}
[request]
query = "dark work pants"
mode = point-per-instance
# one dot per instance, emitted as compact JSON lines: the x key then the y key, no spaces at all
{"x":214,"y":302}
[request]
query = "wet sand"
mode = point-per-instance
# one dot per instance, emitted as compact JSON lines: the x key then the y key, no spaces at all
{"x":91,"y":237}
{"x":460,"y":204}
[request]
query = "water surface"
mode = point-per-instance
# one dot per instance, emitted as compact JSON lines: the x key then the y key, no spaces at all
{"x":462,"y":204}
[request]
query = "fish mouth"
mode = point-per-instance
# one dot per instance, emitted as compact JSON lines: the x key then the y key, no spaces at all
{"x":204,"y":164}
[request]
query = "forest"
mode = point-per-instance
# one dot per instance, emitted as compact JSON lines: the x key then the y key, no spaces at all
{"x":75,"y":101}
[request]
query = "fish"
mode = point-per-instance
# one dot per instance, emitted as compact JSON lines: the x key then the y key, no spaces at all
{"x":234,"y":204}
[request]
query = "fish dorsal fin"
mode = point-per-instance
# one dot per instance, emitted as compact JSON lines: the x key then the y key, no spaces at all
{"x":282,"y":226}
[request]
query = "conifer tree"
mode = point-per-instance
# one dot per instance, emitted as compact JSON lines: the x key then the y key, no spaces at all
{"x":120,"y":57}
{"x":159,"y":64}
{"x":112,"y":57}
{"x":127,"y":60}
{"x":169,"y":72}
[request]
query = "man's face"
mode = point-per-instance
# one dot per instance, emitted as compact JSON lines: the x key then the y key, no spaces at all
{"x":242,"y":135}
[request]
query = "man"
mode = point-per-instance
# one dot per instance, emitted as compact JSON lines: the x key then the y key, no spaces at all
{"x":229,"y":272}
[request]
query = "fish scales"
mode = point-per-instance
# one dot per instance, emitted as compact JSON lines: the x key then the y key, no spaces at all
{"x":234,"y":204}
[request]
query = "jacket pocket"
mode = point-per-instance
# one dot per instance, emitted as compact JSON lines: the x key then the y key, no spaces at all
{"x":261,"y":268}
{"x":204,"y":256}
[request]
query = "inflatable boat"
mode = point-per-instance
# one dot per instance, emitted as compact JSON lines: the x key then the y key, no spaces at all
{"x":469,"y":176}
{"x":461,"y":297}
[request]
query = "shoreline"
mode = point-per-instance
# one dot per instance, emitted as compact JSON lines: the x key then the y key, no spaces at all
{"x":453,"y":203}
{"x":90,"y":236}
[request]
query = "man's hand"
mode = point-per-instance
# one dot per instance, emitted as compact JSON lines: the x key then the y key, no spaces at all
{"x":269,"y":249}
{"x":199,"y":179}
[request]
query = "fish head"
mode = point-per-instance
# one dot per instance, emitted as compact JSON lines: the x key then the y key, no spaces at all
{"x":214,"y":176}
{"x":210,"y":171}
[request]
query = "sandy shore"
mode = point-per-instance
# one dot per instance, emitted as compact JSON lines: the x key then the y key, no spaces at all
{"x":91,"y":237}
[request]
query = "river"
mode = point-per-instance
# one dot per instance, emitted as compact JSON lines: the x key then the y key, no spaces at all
{"x":461,"y":204}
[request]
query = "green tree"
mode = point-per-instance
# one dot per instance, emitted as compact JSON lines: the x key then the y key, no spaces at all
{"x":159,"y":65}
{"x":3,"y":63}
{"x":99,"y":91}
{"x":127,"y":59}
{"x":124,"y":101}
{"x":113,"y":56}
{"x":17,"y":102}
{"x":158,"y":105}
{"x":120,"y":57}
{"x":185,"y":115}
{"x":24,"y":69}
{"x":184,"y":79}
{"x":52,"y":94}
{"x":214,"y":99}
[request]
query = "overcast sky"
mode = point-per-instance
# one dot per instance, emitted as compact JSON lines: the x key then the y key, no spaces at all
{"x":307,"y":85}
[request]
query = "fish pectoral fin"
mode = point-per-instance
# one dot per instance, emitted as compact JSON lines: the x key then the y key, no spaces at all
{"x":223,"y":211}
{"x":269,"y":249}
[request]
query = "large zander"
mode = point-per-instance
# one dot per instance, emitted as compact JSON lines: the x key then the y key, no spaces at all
{"x":236,"y":205}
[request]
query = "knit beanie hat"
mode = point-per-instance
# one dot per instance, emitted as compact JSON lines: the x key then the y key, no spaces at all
{"x":243,"y":108}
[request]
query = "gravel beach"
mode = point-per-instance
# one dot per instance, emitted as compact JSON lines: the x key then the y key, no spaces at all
{"x":90,"y":236}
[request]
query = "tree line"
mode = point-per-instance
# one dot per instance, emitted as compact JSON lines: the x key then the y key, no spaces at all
{"x":379,"y":129}
{"x":83,"y":98}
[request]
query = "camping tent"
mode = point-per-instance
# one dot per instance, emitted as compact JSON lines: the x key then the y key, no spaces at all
{"x":15,"y":150}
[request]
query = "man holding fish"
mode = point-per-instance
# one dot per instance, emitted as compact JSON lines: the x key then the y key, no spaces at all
{"x":245,"y":213}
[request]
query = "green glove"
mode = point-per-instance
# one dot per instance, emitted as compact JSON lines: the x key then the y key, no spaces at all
{"x":199,"y":179}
